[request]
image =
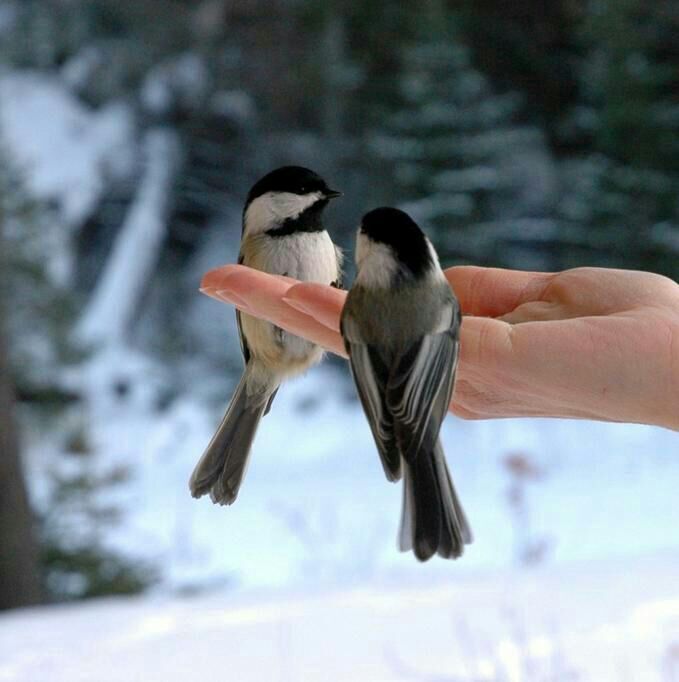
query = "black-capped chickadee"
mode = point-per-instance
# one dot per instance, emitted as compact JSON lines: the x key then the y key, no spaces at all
{"x":400,"y":326}
{"x":283,"y":234}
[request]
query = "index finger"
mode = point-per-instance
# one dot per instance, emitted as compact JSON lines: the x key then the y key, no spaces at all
{"x":264,"y":296}
{"x":241,"y":277}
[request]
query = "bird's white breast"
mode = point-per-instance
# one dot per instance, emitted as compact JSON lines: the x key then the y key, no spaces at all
{"x":306,"y":256}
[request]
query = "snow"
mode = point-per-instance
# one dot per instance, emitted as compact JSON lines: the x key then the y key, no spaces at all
{"x":65,"y":149}
{"x":183,"y":77}
{"x":137,"y":248}
{"x":315,"y":508}
{"x":603,"y":621}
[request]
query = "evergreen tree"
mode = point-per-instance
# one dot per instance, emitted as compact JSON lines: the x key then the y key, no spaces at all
{"x":624,"y":191}
{"x":628,"y":82}
{"x":447,"y":143}
{"x":37,"y":315}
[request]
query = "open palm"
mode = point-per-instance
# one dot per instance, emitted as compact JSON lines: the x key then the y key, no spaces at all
{"x":586,"y":343}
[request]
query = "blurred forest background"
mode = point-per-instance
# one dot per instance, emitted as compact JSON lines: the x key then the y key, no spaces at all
{"x":523,"y":134}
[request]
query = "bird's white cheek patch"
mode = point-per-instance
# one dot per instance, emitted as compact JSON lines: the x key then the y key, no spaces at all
{"x":436,"y":273}
{"x":275,"y":207}
{"x":376,"y":263}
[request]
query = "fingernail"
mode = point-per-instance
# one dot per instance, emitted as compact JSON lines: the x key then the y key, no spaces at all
{"x":230,"y":297}
{"x":298,"y":305}
{"x":209,"y":291}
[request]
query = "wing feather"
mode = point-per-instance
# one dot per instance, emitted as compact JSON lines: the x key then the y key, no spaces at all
{"x":241,"y":337}
{"x":371,"y":375}
{"x":419,"y":390}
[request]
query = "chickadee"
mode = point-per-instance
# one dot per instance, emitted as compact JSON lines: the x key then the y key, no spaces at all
{"x":283,"y":234}
{"x":400,"y":326}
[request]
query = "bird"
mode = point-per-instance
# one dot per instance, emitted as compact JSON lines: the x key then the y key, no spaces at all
{"x":400,"y":326}
{"x":283,"y":234}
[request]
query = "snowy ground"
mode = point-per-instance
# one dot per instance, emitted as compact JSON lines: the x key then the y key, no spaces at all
{"x":602,"y":621}
{"x":315,"y":508}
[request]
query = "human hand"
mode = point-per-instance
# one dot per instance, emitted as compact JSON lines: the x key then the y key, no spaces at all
{"x":587,"y":343}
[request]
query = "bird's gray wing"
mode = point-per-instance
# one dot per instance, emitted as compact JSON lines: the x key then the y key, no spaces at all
{"x":243,"y":341}
{"x":371,"y":375}
{"x":420,"y":386}
{"x":245,"y":349}
{"x":241,"y":337}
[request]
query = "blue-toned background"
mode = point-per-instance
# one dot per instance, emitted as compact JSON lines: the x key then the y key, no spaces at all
{"x":520,"y":136}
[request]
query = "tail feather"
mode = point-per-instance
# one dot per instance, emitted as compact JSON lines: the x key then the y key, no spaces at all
{"x":432,"y":521}
{"x":221,"y":469}
{"x":465,"y":531}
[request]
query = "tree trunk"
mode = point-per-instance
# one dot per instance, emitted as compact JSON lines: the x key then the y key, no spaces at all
{"x":19,"y":572}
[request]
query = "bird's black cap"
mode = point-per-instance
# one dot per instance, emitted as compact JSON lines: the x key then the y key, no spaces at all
{"x":395,"y":228}
{"x":293,"y":179}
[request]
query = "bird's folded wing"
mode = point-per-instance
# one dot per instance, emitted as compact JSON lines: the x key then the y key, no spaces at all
{"x":371,"y":375}
{"x":419,"y":390}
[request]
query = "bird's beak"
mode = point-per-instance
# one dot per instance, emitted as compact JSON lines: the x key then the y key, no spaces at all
{"x":332,"y":194}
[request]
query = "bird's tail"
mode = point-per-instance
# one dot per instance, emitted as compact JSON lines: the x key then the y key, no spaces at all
{"x":221,"y":468}
{"x":432,"y":521}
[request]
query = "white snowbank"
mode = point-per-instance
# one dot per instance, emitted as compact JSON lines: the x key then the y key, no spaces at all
{"x":315,"y":508}
{"x":66,"y":150}
{"x":607,"y":621}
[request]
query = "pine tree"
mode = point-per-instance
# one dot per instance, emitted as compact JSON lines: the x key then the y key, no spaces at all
{"x":624,"y":192}
{"x":61,"y":548}
{"x":447,"y":142}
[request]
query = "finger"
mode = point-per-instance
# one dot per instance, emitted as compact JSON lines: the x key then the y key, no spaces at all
{"x":261,"y":295}
{"x":240,"y":279}
{"x":538,"y":311}
{"x":485,"y":344}
{"x":492,"y":292}
{"x":323,"y":303}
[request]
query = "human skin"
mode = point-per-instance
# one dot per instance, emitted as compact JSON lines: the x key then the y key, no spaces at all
{"x":588,"y":343}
